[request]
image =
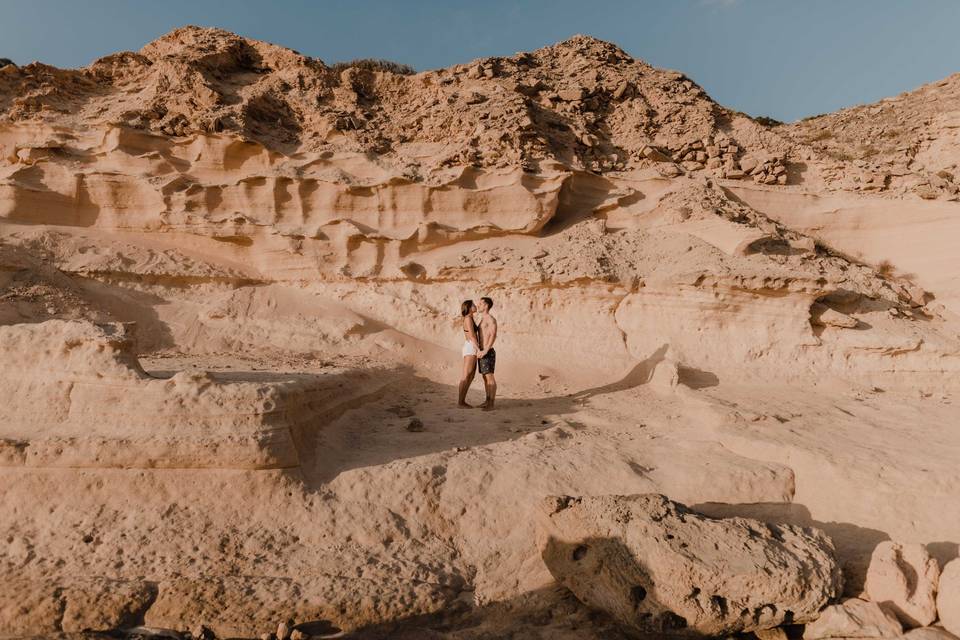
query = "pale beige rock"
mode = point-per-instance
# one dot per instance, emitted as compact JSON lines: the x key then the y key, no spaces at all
{"x":929,"y":633}
{"x":903,"y":578}
{"x":853,"y":618}
{"x":948,"y":597}
{"x":658,"y":567}
{"x":825,"y":316}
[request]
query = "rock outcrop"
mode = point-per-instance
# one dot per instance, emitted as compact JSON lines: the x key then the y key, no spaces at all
{"x":903,"y":578}
{"x":658,"y":567}
{"x":948,"y":597}
{"x":853,"y":618}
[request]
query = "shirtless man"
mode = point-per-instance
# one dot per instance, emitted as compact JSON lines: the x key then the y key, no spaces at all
{"x":487,"y":358}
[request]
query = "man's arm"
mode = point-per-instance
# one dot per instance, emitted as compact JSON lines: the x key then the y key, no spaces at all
{"x":488,"y":343}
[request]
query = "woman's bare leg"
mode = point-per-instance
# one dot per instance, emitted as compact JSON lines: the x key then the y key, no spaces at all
{"x":469,"y":370}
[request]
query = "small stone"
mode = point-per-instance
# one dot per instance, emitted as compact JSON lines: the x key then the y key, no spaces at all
{"x":572,"y":95}
{"x":621,"y":90}
{"x":804,"y":244}
{"x":748,"y":164}
{"x":918,"y":297}
{"x":948,"y":597}
{"x":853,"y":618}
{"x":668,"y":170}
{"x":831,"y":317}
{"x":714,"y":163}
{"x":267,"y":636}
{"x":691,"y":165}
{"x":415,"y":425}
{"x":202,"y":632}
{"x":701,"y":156}
{"x":782,"y":179}
{"x":655,"y":155}
{"x":283,"y":631}
{"x":589,"y":139}
{"x":735,"y":174}
{"x":296,"y":634}
{"x":903,"y":578}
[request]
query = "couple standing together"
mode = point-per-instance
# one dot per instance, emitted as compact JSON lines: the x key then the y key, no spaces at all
{"x":478,"y":352}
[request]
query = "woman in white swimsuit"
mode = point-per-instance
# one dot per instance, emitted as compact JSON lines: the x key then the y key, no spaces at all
{"x":471,"y":349}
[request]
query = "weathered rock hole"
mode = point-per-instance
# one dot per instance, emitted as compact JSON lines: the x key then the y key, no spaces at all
{"x":637,"y":595}
{"x":579,"y":553}
{"x":721,"y":604}
{"x":670,"y":620}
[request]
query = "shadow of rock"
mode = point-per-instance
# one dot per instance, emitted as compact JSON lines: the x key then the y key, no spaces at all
{"x":129,"y":305}
{"x":611,"y":559}
{"x":944,"y":552}
{"x":640,"y":374}
{"x":696,"y":378}
{"x":550,"y":612}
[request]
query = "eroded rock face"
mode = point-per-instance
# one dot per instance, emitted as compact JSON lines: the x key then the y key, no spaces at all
{"x":853,"y":618}
{"x":659,"y":567}
{"x":903,"y":578}
{"x":948,"y":597}
{"x":74,"y":605}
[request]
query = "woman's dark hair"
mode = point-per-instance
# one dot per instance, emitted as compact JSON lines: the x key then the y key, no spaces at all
{"x":465,"y":308}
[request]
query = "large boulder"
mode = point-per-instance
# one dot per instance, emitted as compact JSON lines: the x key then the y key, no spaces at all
{"x":853,"y":618}
{"x":948,"y":597}
{"x":659,"y":567}
{"x":903,"y":578}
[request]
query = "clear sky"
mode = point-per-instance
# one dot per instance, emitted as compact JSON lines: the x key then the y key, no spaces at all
{"x":780,"y":58}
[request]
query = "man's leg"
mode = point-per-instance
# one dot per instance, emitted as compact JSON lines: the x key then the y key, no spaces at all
{"x":490,"y":384}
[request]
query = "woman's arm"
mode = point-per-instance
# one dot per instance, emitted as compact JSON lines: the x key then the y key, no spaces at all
{"x":471,"y":328}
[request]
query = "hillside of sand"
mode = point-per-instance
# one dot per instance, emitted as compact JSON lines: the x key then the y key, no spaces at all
{"x":229,"y":283}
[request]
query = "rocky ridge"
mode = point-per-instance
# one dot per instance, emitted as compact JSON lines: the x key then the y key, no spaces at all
{"x":228,"y":276}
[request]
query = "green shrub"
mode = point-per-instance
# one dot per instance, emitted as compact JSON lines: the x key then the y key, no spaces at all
{"x":374,"y":64}
{"x":767,"y":122}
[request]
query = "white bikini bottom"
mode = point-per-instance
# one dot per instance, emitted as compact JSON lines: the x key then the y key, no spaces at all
{"x":468,"y":349}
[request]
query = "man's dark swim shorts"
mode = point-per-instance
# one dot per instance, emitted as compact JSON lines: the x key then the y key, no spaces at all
{"x":488,"y":363}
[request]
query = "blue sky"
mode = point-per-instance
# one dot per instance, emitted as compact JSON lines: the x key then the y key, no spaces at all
{"x":781,"y":58}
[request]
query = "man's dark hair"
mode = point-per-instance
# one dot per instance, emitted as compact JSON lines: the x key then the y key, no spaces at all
{"x":488,"y":301}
